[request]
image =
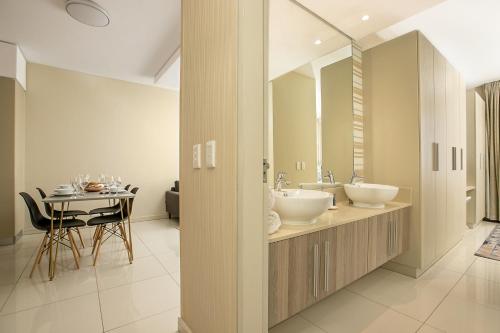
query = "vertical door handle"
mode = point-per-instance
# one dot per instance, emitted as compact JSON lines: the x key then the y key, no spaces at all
{"x":461,"y":158}
{"x":316,"y":270}
{"x":454,"y":158}
{"x":327,"y":266}
{"x":435,"y":156}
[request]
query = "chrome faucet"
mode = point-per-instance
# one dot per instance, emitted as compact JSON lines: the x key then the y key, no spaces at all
{"x":329,"y":176}
{"x":280,"y":181}
{"x":355,"y":178}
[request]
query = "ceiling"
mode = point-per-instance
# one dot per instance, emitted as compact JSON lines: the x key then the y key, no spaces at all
{"x":292,"y":33}
{"x":134,"y":47}
{"x":466,"y":32}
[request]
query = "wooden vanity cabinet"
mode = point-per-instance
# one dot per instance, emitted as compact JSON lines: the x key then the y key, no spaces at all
{"x":305,"y":269}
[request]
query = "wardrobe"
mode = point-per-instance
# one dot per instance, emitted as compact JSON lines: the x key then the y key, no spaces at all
{"x":476,"y":158}
{"x":415,"y":106}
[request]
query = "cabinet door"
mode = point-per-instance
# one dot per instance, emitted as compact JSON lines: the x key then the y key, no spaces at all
{"x":429,"y":146}
{"x":329,"y":265}
{"x":439,"y":223}
{"x":351,"y":252}
{"x":401,"y":220}
{"x":303,"y":272}
{"x":278,"y":282}
{"x":480,"y":115}
{"x":378,"y":241}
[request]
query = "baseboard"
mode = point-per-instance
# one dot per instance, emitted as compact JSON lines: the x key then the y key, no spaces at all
{"x":183,"y":327}
{"x":12,"y":239}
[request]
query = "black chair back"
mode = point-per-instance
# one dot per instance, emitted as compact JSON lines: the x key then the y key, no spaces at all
{"x":127,"y":187}
{"x":37,"y":219}
{"x":131,"y":201}
{"x":47,"y":207}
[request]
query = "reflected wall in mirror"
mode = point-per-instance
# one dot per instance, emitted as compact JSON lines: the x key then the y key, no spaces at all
{"x":313,"y":123}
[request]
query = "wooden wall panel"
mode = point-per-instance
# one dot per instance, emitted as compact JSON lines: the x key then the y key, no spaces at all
{"x":208,"y":197}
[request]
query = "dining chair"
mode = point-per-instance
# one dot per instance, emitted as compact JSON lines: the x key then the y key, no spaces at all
{"x":40,"y":222}
{"x":66,"y":214}
{"x":112,"y":225}
{"x":108,"y":210}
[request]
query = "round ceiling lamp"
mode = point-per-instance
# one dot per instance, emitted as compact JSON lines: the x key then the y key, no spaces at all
{"x":87,"y":12}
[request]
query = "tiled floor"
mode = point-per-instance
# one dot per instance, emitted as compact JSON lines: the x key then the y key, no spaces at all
{"x":113,"y":296}
{"x":461,"y":293}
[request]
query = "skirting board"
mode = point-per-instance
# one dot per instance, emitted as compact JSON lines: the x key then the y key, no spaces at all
{"x":183,"y":327}
{"x":11,"y":240}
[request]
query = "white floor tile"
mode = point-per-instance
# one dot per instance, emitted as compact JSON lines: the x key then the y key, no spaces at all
{"x":176,"y":276}
{"x":30,"y":293}
{"x":416,"y":298}
{"x":347,"y":312}
{"x":11,"y":268}
{"x":165,"y":322}
{"x":113,"y":274}
{"x":296,"y":324}
{"x":479,"y":290}
{"x":77,"y":315}
{"x":429,"y":329}
{"x":170,"y":261}
{"x":456,"y":315}
{"x":5,"y":290}
{"x":129,"y":303}
{"x":486,"y":269}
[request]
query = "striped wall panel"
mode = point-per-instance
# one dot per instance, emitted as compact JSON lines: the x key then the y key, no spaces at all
{"x":357,"y":105}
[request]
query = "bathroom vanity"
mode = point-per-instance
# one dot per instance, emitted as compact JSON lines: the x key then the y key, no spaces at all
{"x":310,"y":262}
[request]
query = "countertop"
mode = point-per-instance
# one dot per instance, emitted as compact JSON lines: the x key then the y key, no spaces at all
{"x":333,"y":218}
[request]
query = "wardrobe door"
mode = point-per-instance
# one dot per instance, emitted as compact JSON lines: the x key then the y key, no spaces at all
{"x":428,"y":147}
{"x":440,"y":137}
{"x":460,"y":223}
{"x":480,"y":115}
{"x":453,"y":163}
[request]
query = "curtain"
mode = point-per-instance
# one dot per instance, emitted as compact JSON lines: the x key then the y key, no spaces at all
{"x":492,"y":93}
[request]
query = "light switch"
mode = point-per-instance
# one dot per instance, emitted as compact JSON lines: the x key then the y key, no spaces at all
{"x":197,"y":156}
{"x":210,"y":150}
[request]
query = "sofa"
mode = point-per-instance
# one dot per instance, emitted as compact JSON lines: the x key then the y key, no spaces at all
{"x":172,"y":201}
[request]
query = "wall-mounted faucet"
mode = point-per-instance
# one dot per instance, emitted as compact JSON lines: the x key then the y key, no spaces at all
{"x":355,"y":178}
{"x":329,"y":176}
{"x":280,"y":181}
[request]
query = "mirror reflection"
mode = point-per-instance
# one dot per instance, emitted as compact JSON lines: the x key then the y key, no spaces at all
{"x":310,"y":99}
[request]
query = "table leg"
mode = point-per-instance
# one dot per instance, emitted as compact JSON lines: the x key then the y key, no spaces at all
{"x":123,"y":218}
{"x":129,"y":230}
{"x":58,"y":240}
{"x":51,"y":240}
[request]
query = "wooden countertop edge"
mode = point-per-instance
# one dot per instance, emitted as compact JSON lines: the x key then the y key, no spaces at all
{"x":296,"y":231}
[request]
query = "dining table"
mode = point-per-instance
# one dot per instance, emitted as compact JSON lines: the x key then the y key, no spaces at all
{"x":62,"y":200}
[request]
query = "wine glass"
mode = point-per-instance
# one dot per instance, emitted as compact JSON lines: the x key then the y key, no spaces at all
{"x":85,"y":181}
{"x":118,"y":181}
{"x":81,"y":182}
{"x":74,"y":184}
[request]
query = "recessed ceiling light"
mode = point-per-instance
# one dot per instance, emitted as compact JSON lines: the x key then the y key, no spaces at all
{"x":318,"y":41}
{"x":87,"y":12}
{"x":365,"y":18}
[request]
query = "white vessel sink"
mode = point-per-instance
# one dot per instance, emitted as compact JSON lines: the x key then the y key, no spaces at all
{"x":370,"y":195}
{"x":298,"y":207}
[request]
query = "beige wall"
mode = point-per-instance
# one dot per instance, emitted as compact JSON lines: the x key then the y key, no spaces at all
{"x":78,"y":123}
{"x":294,"y":127}
{"x":337,"y":119}
{"x":7,"y":118}
{"x":20,"y":157}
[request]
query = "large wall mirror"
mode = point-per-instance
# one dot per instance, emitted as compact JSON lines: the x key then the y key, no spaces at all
{"x":313,"y":131}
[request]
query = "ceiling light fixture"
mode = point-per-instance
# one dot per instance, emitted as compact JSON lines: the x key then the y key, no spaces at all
{"x":365,"y":18}
{"x":87,"y":12}
{"x":318,"y":42}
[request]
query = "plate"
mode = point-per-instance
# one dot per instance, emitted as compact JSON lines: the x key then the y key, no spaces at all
{"x":62,"y":194}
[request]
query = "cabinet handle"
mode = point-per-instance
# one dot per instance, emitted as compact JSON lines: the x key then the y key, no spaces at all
{"x":453,"y":158}
{"x":435,"y":156}
{"x":461,"y":158}
{"x":327,"y":266}
{"x":316,"y":270}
